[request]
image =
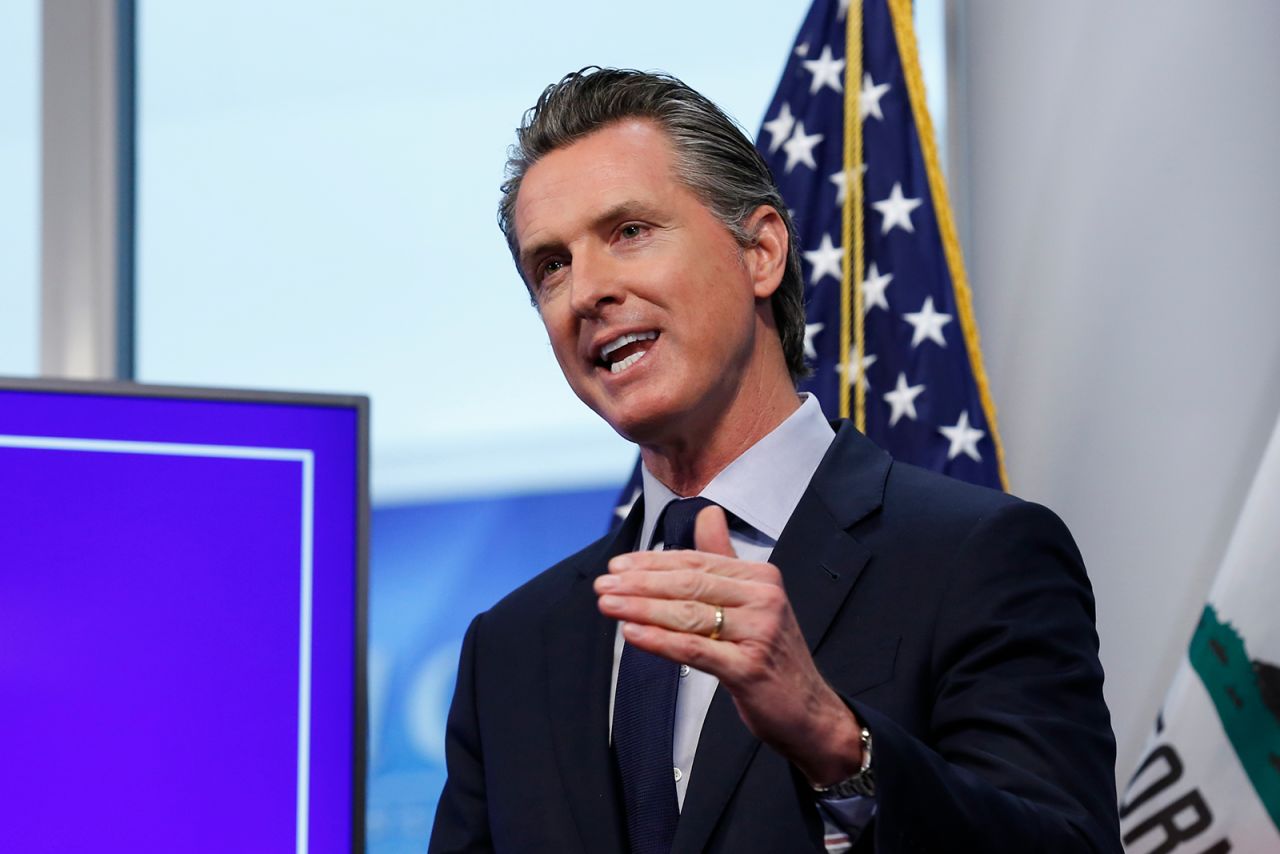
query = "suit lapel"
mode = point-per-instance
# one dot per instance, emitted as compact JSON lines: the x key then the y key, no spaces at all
{"x":820,"y":563}
{"x":819,"y":559}
{"x":579,"y":656}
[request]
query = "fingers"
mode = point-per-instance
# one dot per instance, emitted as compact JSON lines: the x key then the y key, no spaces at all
{"x":711,"y":532}
{"x":695,"y":650}
{"x":679,"y":591}
{"x":694,"y":618}
{"x":756,"y":620}
{"x":701,"y":561}
{"x":689,"y":584}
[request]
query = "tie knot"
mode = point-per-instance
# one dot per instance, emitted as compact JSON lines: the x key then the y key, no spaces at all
{"x":677,"y":521}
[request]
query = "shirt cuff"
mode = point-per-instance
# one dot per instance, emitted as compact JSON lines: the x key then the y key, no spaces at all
{"x":850,"y":815}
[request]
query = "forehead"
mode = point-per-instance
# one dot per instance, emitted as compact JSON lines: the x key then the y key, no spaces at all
{"x":627,"y":161}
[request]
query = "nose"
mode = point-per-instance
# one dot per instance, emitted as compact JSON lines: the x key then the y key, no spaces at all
{"x":596,"y":282}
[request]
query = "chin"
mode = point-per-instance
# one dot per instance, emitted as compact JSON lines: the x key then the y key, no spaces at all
{"x":649,"y":424}
{"x":633,"y":427}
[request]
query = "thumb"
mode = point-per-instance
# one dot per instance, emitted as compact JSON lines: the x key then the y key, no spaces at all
{"x":711,"y":532}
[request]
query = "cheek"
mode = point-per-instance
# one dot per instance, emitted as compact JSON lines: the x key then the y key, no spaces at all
{"x":566,"y":357}
{"x":560,"y":332}
{"x":564,"y":346}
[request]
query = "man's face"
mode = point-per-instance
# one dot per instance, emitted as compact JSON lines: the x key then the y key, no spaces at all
{"x":652,"y":308}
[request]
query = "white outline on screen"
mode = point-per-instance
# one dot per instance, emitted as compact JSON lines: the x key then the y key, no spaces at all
{"x":298,"y":455}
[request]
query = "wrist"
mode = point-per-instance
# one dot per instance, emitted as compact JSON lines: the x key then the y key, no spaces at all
{"x":835,"y":750}
{"x":859,"y":785}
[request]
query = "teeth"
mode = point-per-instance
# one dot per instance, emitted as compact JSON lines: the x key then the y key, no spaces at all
{"x":624,"y":340}
{"x":619,"y":367}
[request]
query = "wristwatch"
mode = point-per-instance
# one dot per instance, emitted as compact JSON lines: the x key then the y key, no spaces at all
{"x":861,"y":784}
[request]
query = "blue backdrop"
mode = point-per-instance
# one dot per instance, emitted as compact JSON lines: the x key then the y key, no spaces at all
{"x":434,"y":566}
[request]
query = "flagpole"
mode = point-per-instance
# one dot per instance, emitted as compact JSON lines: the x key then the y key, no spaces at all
{"x":851,"y":312}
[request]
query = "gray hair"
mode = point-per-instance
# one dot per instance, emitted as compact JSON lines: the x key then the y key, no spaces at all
{"x":714,"y":158}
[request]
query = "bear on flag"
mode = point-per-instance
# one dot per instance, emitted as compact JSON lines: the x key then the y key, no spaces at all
{"x":1209,"y":779}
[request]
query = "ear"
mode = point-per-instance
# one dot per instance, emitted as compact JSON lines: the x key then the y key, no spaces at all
{"x":766,"y":257}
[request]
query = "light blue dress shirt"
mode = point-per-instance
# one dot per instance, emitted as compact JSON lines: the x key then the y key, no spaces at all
{"x":760,"y":490}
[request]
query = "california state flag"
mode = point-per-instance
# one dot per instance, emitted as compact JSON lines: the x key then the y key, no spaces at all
{"x":1209,"y":780}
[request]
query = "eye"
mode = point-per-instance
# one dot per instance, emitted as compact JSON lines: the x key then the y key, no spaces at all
{"x":632,"y":230}
{"x":548,"y":268}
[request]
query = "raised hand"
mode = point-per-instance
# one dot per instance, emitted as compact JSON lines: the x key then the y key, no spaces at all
{"x":671,"y":603}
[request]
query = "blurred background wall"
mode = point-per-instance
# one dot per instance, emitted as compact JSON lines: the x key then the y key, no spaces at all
{"x":1122,"y":202}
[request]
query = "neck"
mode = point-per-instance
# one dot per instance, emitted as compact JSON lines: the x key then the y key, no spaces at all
{"x":685,"y":464}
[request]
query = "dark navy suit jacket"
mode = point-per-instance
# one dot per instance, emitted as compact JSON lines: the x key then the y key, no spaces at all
{"x":956,"y":621}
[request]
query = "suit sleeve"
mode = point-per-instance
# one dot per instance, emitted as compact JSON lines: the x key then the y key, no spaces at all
{"x":462,"y":815}
{"x":1019,"y":754}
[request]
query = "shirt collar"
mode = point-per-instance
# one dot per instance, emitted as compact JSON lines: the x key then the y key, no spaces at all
{"x":763,"y":485}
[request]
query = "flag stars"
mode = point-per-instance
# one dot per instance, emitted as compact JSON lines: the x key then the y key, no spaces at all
{"x":826,"y":71}
{"x":963,"y":438}
{"x":927,"y":323}
{"x":869,"y":97}
{"x":811,"y":331}
{"x":780,"y":127}
{"x":799,"y":148}
{"x":623,"y":510}
{"x":843,"y":183}
{"x":873,"y":288}
{"x":896,"y":210}
{"x":903,"y":400}
{"x":827,"y":260}
{"x":906,"y":341}
{"x":857,"y":372}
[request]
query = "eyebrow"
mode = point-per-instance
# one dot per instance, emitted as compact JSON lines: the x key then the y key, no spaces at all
{"x":629,"y":209}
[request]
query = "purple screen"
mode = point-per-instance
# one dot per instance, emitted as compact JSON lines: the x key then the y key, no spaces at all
{"x":178,"y":608}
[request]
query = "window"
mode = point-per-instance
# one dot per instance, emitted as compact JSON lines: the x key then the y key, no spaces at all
{"x":20,"y":178}
{"x":317,"y":188}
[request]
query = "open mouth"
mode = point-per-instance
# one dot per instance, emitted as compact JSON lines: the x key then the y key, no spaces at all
{"x":625,"y":350}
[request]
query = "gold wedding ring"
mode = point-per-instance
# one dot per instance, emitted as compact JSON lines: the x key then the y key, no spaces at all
{"x":718,"y":627}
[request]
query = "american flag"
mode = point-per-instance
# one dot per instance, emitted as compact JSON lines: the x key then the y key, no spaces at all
{"x":923,"y":387}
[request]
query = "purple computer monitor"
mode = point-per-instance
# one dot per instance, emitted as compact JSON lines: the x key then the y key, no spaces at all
{"x":183,"y":584}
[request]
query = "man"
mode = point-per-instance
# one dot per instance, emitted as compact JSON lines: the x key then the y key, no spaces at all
{"x":855,"y":652}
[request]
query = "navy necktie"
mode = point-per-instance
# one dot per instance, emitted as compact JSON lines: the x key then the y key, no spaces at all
{"x":644,"y":712}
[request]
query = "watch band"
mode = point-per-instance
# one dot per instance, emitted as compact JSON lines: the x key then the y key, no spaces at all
{"x":861,"y":784}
